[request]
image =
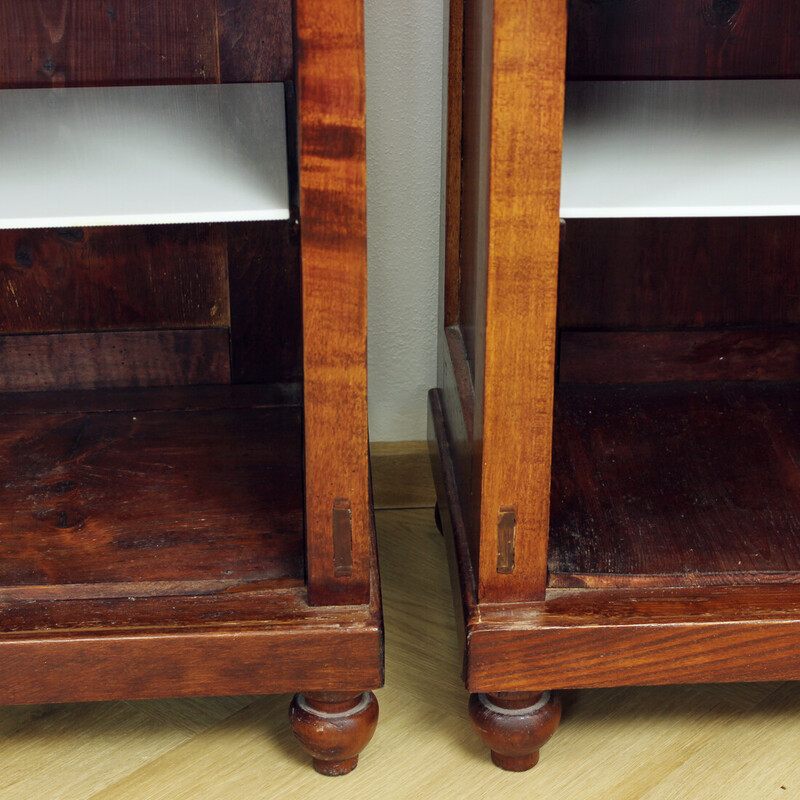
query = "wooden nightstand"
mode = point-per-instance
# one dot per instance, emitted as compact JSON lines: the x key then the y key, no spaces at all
{"x":616,"y":432}
{"x":183,"y":424}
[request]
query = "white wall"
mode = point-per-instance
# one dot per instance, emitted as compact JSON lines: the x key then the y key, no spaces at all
{"x":404,"y":109}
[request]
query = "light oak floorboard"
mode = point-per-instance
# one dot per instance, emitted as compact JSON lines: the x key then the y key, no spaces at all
{"x":656,"y":743}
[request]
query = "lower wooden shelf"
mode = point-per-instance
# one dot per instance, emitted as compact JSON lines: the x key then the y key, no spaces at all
{"x":668,"y":627}
{"x":675,"y":485}
{"x":152,"y":544}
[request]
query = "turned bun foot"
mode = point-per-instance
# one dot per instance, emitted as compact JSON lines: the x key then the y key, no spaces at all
{"x":334,"y":727}
{"x":515,"y":725}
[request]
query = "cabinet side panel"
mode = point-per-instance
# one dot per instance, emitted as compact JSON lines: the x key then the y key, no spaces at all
{"x":684,"y":39}
{"x":475,"y":152}
{"x":452,"y":102}
{"x":332,"y":146}
{"x":522,"y":270}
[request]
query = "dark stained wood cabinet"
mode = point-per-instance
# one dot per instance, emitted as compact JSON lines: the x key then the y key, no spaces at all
{"x":185,"y":505}
{"x":616,"y":428}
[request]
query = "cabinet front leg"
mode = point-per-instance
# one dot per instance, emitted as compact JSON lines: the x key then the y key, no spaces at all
{"x":334,"y":727}
{"x":515,"y":725}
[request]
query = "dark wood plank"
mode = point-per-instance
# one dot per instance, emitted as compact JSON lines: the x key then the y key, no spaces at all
{"x":767,"y":354}
{"x":295,"y":651}
{"x":457,"y":402}
{"x":255,"y":40}
{"x":331,"y":99}
{"x":170,"y":276}
{"x":171,"y":398}
{"x":58,"y":361}
{"x":77,"y":43}
{"x":151,"y":496}
{"x":683,"y":39}
{"x":684,"y":480}
{"x":676,"y":273}
{"x":266,"y":303}
{"x":453,"y":91}
{"x":588,"y":638}
{"x":474,"y":175}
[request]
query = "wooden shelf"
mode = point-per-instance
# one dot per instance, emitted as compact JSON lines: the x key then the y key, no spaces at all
{"x":658,"y":485}
{"x":147,"y":498}
{"x":139,"y":155}
{"x":712,"y":148}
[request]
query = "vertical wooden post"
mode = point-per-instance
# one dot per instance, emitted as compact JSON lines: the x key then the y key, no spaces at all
{"x":331,"y":99}
{"x":514,"y":374}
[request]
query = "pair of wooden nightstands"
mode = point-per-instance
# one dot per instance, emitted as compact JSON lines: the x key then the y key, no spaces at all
{"x":185,"y":504}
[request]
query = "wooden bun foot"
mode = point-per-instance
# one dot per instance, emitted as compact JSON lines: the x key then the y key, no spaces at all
{"x":515,"y":725}
{"x":334,"y":727}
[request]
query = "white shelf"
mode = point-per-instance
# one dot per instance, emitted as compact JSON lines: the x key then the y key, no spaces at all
{"x":681,"y":149}
{"x":142,"y":155}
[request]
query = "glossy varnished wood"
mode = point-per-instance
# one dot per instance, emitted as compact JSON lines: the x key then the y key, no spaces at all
{"x":332,"y":145}
{"x":727,"y":354}
{"x":614,"y":637}
{"x":108,"y":359}
{"x":334,"y":727}
{"x":683,"y":39}
{"x":678,"y":484}
{"x":163,"y":276}
{"x":287,"y":647}
{"x":679,"y":273}
{"x":151,"y":496}
{"x":515,"y":340}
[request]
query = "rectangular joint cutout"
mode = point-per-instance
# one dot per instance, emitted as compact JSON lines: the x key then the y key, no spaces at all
{"x":506,"y":539}
{"x":342,"y":538}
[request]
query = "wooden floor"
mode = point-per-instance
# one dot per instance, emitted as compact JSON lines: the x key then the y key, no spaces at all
{"x":735,"y":741}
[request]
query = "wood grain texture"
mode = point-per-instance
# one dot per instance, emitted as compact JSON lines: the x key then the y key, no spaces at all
{"x":330,"y":655}
{"x":514,"y":382}
{"x":647,"y":743}
{"x":475,"y":87}
{"x":683,"y":39}
{"x":613,"y":638}
{"x":75,"y":43}
{"x":330,"y":91}
{"x":679,"y":273}
{"x":729,"y":354}
{"x":453,"y":94}
{"x":266,"y":304}
{"x":170,"y":398}
{"x":151,"y":496}
{"x":104,"y":360}
{"x":170,"y":276}
{"x":697,"y":481}
{"x":334,"y":727}
{"x":457,"y":399}
{"x":255,"y":40}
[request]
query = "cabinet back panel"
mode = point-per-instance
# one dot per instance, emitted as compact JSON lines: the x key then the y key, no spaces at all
{"x":680,"y":299}
{"x":150,"y":277}
{"x":162,"y":276}
{"x":683,"y":39}
{"x":680,"y":273}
